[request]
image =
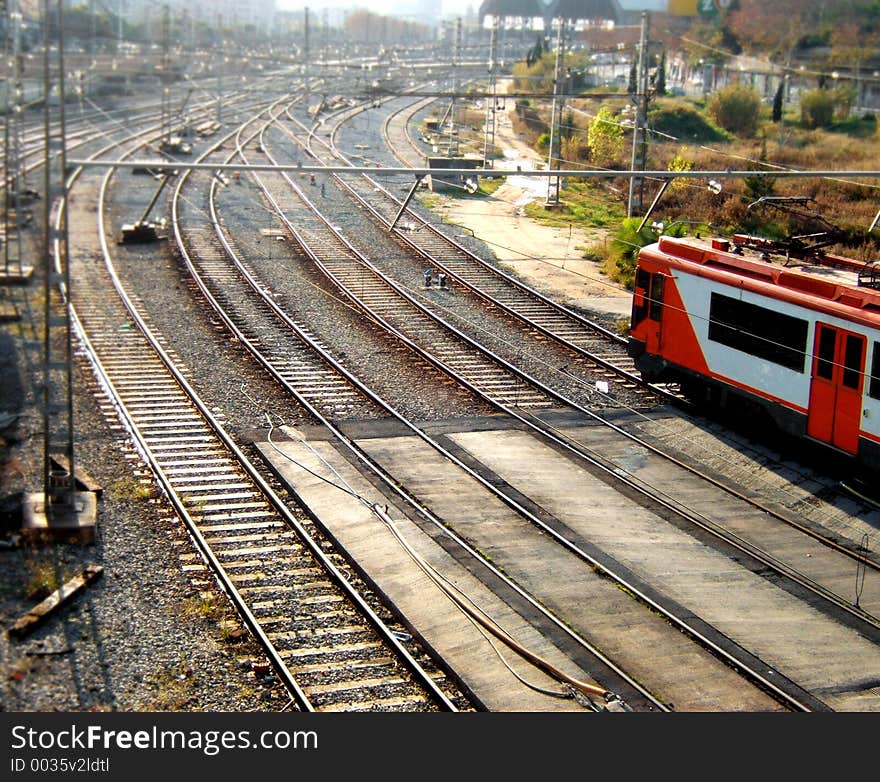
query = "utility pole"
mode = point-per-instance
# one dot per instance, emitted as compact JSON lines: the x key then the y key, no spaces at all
{"x":220,"y":64}
{"x":119,"y":27}
{"x":325,"y":29}
{"x":640,"y":146}
{"x":60,"y":508}
{"x":492,"y":102}
{"x":166,"y":80}
{"x":93,"y":32}
{"x":452,"y":148}
{"x":14,"y":185}
{"x":306,"y":52}
{"x":555,"y":153}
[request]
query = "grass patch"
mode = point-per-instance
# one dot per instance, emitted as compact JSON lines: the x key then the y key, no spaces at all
{"x":174,"y":689}
{"x":857,"y":127}
{"x":202,"y":607}
{"x":41,"y":579}
{"x":489,"y":186}
{"x":130,"y":488}
{"x":581,"y":203}
{"x":429,"y":200}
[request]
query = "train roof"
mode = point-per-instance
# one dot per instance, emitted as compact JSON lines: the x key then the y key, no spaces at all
{"x":835,"y":282}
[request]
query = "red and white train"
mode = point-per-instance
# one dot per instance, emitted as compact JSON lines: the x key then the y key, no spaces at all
{"x":733,"y":328}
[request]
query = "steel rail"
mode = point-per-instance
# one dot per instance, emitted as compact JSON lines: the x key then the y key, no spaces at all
{"x":857,"y":555}
{"x":518,"y":285}
{"x":390,"y":483}
{"x":387,"y":635}
{"x":614,"y":472}
{"x":106,"y":381}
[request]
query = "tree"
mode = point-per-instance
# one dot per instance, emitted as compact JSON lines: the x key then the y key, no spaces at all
{"x":679,"y":162}
{"x":709,"y":43}
{"x":536,"y":52}
{"x":852,"y":44}
{"x":605,"y":138}
{"x":776,"y":28}
{"x":660,"y":75}
{"x":777,"y":101}
{"x":817,"y":108}
{"x":567,"y":128}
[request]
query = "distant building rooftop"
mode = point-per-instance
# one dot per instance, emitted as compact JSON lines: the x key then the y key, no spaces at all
{"x":569,"y":9}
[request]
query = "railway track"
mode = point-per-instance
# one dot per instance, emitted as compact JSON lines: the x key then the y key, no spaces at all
{"x":593,"y":348}
{"x":376,"y":318}
{"x":265,"y":317}
{"x":324,"y":641}
{"x":724,"y":464}
{"x":654,"y":441}
{"x":729,"y":538}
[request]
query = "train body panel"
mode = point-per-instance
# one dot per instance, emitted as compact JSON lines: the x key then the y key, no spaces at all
{"x":802,"y":346}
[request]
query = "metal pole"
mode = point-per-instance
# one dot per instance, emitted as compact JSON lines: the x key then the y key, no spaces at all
{"x":554,"y":109}
{"x":403,"y":206}
{"x":453,"y":143}
{"x":492,"y":102}
{"x":306,"y":52}
{"x":166,"y":82}
{"x":641,"y":98}
{"x":219,"y":79}
{"x":13,"y":170}
{"x":47,"y":260}
{"x":68,"y":484}
{"x":657,"y":198}
{"x":7,"y":140}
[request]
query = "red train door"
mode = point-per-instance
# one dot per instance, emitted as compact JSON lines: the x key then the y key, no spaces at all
{"x":648,"y":306}
{"x":835,"y":411}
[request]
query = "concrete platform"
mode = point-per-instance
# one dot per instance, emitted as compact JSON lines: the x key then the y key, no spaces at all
{"x":430,"y":613}
{"x":66,"y":525}
{"x":592,"y":606}
{"x":16,"y":276}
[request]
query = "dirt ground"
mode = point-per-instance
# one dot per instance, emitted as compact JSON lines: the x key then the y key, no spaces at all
{"x":546,"y":257}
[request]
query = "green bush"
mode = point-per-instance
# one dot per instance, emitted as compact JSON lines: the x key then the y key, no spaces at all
{"x":817,"y":108}
{"x":683,"y":122}
{"x":737,"y":109}
{"x":624,"y":250}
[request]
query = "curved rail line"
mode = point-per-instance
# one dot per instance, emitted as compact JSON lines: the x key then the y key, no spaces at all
{"x":300,"y":386}
{"x":258,"y":550}
{"x":475,"y":262}
{"x":374,"y":315}
{"x":751,"y":549}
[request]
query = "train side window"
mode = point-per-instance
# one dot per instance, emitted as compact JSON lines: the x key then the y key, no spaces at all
{"x":825,"y":357}
{"x":657,"y":284}
{"x":852,"y":362}
{"x":874,"y":386}
{"x":758,"y":331}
